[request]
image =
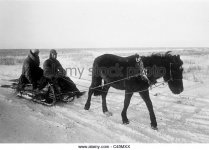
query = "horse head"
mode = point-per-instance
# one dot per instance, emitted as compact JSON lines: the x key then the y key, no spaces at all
{"x":174,"y":72}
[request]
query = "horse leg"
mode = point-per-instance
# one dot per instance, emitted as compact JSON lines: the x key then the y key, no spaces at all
{"x":104,"y":104}
{"x":147,"y":100}
{"x":126,"y":104}
{"x":88,"y":102}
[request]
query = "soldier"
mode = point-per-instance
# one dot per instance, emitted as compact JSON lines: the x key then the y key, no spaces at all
{"x":54,"y":71}
{"x":31,"y":72}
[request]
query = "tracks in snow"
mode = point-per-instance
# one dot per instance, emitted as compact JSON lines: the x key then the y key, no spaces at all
{"x":179,"y":119}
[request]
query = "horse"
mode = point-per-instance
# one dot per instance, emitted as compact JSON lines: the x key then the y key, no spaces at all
{"x":122,"y":73}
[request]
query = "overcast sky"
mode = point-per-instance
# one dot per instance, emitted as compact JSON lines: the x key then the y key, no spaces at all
{"x":104,"y":23}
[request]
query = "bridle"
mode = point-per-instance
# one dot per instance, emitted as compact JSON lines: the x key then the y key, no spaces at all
{"x":171,"y":76}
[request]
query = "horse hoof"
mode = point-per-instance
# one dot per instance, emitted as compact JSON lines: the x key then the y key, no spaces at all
{"x":86,"y":107}
{"x":154,"y":128}
{"x":108,"y":114}
{"x":126,"y":122}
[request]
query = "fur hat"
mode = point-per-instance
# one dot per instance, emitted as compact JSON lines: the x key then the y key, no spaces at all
{"x":53,"y":51}
{"x":35,"y":51}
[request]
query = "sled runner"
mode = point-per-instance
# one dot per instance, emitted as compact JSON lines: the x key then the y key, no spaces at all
{"x":48,"y":97}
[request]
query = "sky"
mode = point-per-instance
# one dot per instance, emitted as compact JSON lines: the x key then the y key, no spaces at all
{"x":103,"y":23}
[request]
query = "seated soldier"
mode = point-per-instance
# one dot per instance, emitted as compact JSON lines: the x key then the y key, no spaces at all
{"x":54,"y":71}
{"x":31,"y":72}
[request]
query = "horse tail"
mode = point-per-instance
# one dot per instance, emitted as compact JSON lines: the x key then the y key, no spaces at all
{"x":96,"y":83}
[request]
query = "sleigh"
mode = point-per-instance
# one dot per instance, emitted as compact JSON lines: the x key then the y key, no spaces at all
{"x":49,"y":97}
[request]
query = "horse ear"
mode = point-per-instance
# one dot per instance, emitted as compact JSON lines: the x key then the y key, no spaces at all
{"x":168,"y":53}
{"x":179,"y":59}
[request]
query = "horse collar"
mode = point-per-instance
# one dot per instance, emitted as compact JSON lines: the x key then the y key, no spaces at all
{"x":138,"y":58}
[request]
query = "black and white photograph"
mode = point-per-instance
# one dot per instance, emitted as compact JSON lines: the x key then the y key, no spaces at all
{"x":104,"y":74}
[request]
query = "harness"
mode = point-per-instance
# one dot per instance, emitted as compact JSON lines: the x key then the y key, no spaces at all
{"x":171,"y":76}
{"x":143,"y":71}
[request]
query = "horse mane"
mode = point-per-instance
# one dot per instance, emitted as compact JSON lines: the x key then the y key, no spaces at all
{"x":157,"y":58}
{"x":169,"y":56}
{"x":162,"y":54}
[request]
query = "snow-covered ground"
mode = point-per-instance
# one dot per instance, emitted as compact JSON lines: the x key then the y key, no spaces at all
{"x":181,"y":118}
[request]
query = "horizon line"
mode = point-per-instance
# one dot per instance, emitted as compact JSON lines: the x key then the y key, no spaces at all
{"x":145,"y":47}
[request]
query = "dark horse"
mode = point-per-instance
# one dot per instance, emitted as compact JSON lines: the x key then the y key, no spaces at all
{"x":123,"y":73}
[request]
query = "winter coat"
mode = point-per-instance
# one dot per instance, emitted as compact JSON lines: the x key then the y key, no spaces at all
{"x":53,"y":69}
{"x":31,"y":69}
